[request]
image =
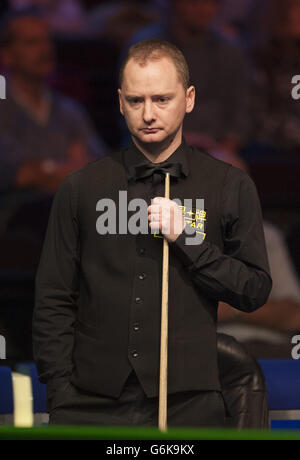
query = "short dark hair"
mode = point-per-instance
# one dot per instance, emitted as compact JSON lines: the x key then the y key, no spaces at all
{"x":154,"y":49}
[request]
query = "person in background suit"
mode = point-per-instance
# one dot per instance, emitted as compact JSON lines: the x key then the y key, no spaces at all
{"x":96,"y":326}
{"x":50,"y":135}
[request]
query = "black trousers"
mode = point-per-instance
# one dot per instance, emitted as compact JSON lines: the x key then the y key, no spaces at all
{"x":71,"y":406}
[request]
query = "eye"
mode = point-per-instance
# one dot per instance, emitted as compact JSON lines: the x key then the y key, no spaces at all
{"x":162,"y":100}
{"x":134,"y":101}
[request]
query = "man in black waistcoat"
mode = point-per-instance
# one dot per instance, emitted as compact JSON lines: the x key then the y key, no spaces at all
{"x":96,"y":327}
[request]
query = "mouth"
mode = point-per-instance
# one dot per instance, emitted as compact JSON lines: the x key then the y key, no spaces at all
{"x":150,"y":130}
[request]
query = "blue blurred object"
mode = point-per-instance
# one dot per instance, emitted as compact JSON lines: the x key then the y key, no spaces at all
{"x":285,"y":424}
{"x":6,"y":396}
{"x":283,"y":386}
{"x":38,"y":389}
{"x":283,"y":383}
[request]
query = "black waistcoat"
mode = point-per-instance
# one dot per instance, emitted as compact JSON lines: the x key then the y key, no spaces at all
{"x":118,"y":326}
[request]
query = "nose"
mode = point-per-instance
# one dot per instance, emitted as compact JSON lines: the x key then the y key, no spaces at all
{"x":148,"y":115}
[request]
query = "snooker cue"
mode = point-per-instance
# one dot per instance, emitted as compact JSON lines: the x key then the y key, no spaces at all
{"x":163,"y":374}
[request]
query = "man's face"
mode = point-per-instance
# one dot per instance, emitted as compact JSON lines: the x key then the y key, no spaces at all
{"x":154,"y":101}
{"x":31,"y":50}
{"x":196,"y":14}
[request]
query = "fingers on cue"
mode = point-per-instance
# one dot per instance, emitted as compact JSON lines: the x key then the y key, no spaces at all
{"x":154,"y":209}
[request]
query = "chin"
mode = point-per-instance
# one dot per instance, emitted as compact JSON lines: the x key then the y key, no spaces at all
{"x":151,"y":138}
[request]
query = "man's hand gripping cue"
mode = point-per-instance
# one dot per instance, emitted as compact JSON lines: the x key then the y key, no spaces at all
{"x":165,"y":216}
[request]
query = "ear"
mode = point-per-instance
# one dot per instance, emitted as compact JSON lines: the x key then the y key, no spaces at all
{"x":120,"y":101}
{"x":190,"y":99}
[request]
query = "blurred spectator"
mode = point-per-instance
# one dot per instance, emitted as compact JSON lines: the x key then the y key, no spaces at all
{"x":267,"y":331}
{"x":244,"y":21}
{"x":48,"y":135}
{"x":220,"y":118}
{"x":120,"y":20}
{"x":61,"y":15}
{"x":233,"y":17}
{"x":277,"y":114}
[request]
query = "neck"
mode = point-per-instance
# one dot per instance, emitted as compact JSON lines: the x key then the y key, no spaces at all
{"x":158,"y":152}
{"x":31,"y":89}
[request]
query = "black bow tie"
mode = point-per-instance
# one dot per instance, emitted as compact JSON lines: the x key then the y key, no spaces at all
{"x":144,"y":170}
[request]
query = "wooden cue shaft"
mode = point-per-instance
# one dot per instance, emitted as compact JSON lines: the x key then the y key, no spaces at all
{"x":163,"y":375}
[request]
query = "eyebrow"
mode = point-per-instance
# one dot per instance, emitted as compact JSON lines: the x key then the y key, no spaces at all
{"x":131,"y":96}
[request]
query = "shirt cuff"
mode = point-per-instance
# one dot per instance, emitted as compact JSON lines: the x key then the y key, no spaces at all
{"x":188,"y":253}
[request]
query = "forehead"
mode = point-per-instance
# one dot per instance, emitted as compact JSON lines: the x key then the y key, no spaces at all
{"x":156,"y":76}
